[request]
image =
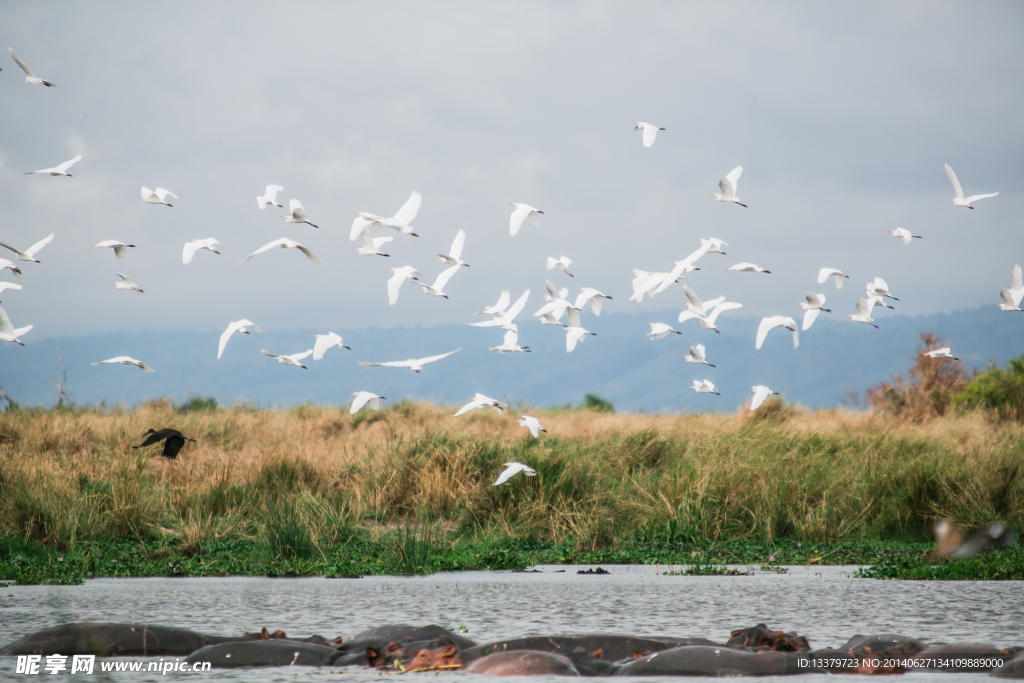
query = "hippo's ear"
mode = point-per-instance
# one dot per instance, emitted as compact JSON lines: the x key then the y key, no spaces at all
{"x":264,"y":634}
{"x":736,"y":632}
{"x":372,"y":656}
{"x":393,"y":647}
{"x":279,"y":634}
{"x":598,"y":653}
{"x":449,"y":651}
{"x":337,"y":641}
{"x":638,"y":655}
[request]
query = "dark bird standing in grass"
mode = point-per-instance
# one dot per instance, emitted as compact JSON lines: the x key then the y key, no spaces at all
{"x":174,"y":441}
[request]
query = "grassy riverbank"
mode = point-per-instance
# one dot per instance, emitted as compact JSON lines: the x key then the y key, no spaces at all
{"x":313,"y":490}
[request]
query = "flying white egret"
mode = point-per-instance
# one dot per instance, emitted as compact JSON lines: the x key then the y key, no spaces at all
{"x":904,"y":234}
{"x":61,"y":169}
{"x":30,"y":77}
{"x":414,"y":364}
{"x":157,"y":196}
{"x":557,"y":301}
{"x":533,"y":424}
{"x":481,"y":401}
{"x":660,"y":330}
{"x":297,"y":213}
{"x":649,"y":129}
{"x":195,"y":245}
{"x":498,"y":308}
{"x":874,"y":298}
{"x":120,"y":248}
{"x":402,"y":221}
{"x":9,"y":285}
{"x":363,"y":398}
{"x":959,"y":199}
{"x":512,"y":469}
{"x":437,"y":289}
{"x":716,"y":307}
{"x":327,"y":341}
{"x":126,"y":283}
{"x":760,"y":394}
{"x":242,"y":326}
{"x":1010,"y":301}
{"x":728,"y":186}
{"x":746,"y":268}
{"x":126,"y":360}
{"x":863,"y":314}
{"x":944,"y":352}
{"x":511,"y":343}
{"x":574,"y":332}
{"x":506,"y":319}
{"x":880,"y":288}
{"x":293,"y":359}
{"x":395,"y":281}
{"x":839,"y":275}
{"x":371,"y":245}
{"x":15,"y":270}
{"x":561,"y":264}
{"x":772,"y":321}
{"x":7,"y":331}
{"x":595,"y":298}
{"x":815,"y":305}
{"x":696,"y":306}
{"x":550,"y":319}
{"x":704,"y":386}
{"x":30,"y":253}
{"x":269,"y":197}
{"x":713,"y":245}
{"x":454,"y":255}
{"x":363,"y":221}
{"x":1012,"y":296}
{"x":656,"y":283}
{"x":520,"y":214}
{"x":697,"y":356}
{"x":286,"y":243}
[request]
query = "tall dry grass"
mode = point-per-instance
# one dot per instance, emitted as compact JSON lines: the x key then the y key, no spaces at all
{"x":308,"y":477}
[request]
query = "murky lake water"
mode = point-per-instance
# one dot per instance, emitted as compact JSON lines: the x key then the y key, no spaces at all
{"x":825,"y":604}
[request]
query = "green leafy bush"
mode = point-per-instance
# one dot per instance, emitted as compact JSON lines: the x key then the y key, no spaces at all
{"x":1000,"y":390}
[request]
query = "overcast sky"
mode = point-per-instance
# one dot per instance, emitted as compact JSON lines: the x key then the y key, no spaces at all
{"x":842,"y":115}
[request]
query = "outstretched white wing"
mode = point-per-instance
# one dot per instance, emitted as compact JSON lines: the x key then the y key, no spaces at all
{"x":63,"y":168}
{"x":35,"y":248}
{"x":19,"y":62}
{"x":650,"y":132}
{"x":517,"y":218}
{"x":311,"y":256}
{"x":1016,"y":282}
{"x":512,"y":469}
{"x":729,"y":183}
{"x":408,"y":212}
{"x":460,"y":240}
{"x":975,"y":197}
{"x":444,"y":277}
{"x":719,"y":309}
{"x":324,"y":342}
{"x":266,"y":247}
{"x":810,"y":315}
{"x":760,"y":394}
{"x":956,"y":183}
{"x":5,"y":323}
{"x":431,"y":359}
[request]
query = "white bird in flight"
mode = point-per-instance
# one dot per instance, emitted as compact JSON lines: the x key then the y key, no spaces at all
{"x":904,"y":234}
{"x":557,"y":302}
{"x":595,"y":298}
{"x":704,"y":386}
{"x":839,"y":275}
{"x":959,"y":199}
{"x":760,"y":394}
{"x":395,"y":281}
{"x":363,"y":398}
{"x":9,"y":285}
{"x":30,"y":77}
{"x":656,"y":283}
{"x":269,"y":197}
{"x":511,"y":469}
{"x":62,"y":169}
{"x":697,"y":356}
{"x":454,"y":255}
{"x":498,"y":308}
{"x":481,"y":401}
{"x":521,"y":212}
{"x":533,"y":424}
{"x":402,"y":221}
{"x":696,"y":306}
{"x":30,"y":253}
{"x":285,"y":243}
{"x":712,"y":245}
{"x":437,"y":289}
{"x":120,"y":248}
{"x":815,"y":305}
{"x":298,"y":213}
{"x":574,"y":332}
{"x":506,"y":319}
{"x":414,"y":364}
{"x":879,"y":287}
{"x":863,"y":314}
{"x":561,"y":264}
{"x":771,"y":322}
{"x":126,"y":360}
{"x":327,"y":341}
{"x":126,"y":284}
{"x":15,"y":270}
{"x":361,"y":224}
{"x":195,"y":245}
{"x":157,"y":196}
{"x":944,"y":352}
{"x":728,"y":186}
{"x":7,"y":331}
{"x":746,"y":268}
{"x":649,"y":129}
{"x":289,"y":360}
{"x":1011,"y":296}
{"x":511,"y":343}
{"x":371,"y":245}
{"x":242,"y":326}
{"x":660,"y":330}
{"x":1010,"y":302}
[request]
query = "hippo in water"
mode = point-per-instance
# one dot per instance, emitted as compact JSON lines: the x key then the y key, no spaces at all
{"x":403,"y":632}
{"x":953,"y":655}
{"x":109,"y":640}
{"x":612,"y":647}
{"x":433,"y":658}
{"x":885,"y":643}
{"x":522,"y":663}
{"x":704,"y":660}
{"x":378,"y":656}
{"x":762,"y":637}
{"x":1013,"y":669}
{"x":272,"y":652}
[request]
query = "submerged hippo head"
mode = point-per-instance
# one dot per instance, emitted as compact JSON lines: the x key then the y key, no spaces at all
{"x":378,"y":657}
{"x":761,"y":636}
{"x":442,"y":658}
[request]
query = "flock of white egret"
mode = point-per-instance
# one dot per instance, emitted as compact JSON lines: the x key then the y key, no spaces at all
{"x":368,"y":229}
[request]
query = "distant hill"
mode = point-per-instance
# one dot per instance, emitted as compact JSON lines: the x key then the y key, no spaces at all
{"x":836,"y":356}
